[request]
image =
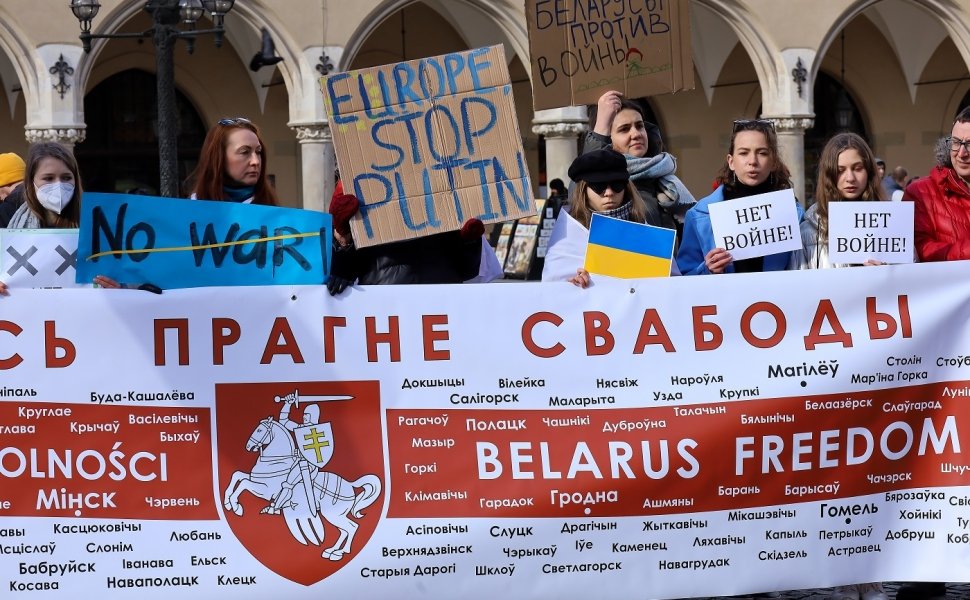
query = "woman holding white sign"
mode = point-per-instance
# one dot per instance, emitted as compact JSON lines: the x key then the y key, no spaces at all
{"x":846,"y":171}
{"x":52,"y":191}
{"x":753,"y":166}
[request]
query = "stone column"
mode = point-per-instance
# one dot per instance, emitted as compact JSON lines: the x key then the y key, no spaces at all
{"x":791,"y":145}
{"x":561,"y":128}
{"x":318,"y":164}
{"x":68,"y":135}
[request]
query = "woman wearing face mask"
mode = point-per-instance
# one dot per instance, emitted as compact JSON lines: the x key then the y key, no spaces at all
{"x":52,"y":190}
{"x":753,"y":166}
{"x":232,"y":166}
{"x":602,"y":186}
{"x":846,"y":171}
{"x":618,"y":123}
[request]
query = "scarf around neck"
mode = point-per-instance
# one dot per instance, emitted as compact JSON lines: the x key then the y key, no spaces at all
{"x":622,"y":211}
{"x":660,"y":168}
{"x":24,"y":218}
{"x":239,"y":194}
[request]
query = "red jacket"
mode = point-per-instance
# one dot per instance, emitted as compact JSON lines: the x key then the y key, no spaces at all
{"x":942,"y":227}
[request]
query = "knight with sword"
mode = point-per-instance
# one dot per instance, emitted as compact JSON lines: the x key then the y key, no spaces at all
{"x":313,"y":450}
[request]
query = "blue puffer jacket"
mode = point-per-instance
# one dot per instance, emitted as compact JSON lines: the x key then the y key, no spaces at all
{"x":698,"y":240}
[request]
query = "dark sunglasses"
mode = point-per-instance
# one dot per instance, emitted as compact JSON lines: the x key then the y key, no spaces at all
{"x":235,"y":121}
{"x":753,"y":124}
{"x":599,"y":187}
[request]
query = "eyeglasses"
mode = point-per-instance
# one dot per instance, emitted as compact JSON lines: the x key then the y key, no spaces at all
{"x":599,"y":187}
{"x":235,"y":121}
{"x":749,"y":124}
{"x":956,"y":144}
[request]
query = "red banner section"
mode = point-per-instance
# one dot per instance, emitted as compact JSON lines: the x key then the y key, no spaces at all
{"x":679,"y":459}
{"x":105,"y":461}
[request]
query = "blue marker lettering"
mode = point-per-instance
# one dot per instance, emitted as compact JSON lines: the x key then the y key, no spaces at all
{"x":335,"y":100}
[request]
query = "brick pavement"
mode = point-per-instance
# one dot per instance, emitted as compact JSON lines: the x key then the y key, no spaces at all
{"x":954,"y":591}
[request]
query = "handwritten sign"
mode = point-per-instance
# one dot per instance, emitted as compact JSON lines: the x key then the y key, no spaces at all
{"x":190,"y":243}
{"x":38,"y":258}
{"x":757,"y":225}
{"x":859,"y":231}
{"x":428,"y":144}
{"x":581,"y":49}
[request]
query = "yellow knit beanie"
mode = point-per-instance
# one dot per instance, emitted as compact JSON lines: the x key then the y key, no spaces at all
{"x":11,"y":169}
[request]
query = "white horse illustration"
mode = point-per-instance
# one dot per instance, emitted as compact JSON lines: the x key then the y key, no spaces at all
{"x":336,"y":497}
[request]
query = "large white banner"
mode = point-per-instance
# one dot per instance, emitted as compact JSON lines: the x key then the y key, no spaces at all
{"x":659,"y":439}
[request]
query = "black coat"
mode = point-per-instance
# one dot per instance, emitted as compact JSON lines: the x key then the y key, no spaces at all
{"x":439,"y":258}
{"x":10,"y":205}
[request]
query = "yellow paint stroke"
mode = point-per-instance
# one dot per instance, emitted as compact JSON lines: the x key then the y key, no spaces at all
{"x":273,"y":238}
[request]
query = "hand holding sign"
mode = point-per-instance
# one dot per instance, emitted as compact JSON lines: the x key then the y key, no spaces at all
{"x":862,"y":232}
{"x":343,"y":208}
{"x":427,"y":144}
{"x":757,"y":225}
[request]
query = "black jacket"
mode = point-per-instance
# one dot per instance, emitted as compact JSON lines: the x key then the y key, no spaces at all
{"x":10,"y":205}
{"x":439,"y":258}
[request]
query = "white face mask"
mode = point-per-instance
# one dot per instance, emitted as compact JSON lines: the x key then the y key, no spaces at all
{"x":55,"y":196}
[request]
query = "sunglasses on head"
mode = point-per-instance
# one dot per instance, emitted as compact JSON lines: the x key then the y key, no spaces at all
{"x":234,"y":121}
{"x":751,"y":124}
{"x":599,"y":187}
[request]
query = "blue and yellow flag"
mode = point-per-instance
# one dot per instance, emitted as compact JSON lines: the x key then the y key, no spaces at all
{"x":628,"y":250}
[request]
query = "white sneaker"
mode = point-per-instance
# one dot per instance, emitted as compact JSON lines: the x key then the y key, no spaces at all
{"x":872,"y":591}
{"x":845,"y":592}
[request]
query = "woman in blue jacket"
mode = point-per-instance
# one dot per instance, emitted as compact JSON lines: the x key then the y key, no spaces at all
{"x":753,"y":166}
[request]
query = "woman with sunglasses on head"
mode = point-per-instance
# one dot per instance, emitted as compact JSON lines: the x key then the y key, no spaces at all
{"x":603,"y":186}
{"x":846,"y":171}
{"x":619,"y":123}
{"x":232,"y":166}
{"x":753,"y":166}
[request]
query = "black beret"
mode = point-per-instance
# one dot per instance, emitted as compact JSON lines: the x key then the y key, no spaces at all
{"x":599,"y":166}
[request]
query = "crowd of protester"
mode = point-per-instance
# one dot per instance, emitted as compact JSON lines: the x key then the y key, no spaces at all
{"x":624,"y":172}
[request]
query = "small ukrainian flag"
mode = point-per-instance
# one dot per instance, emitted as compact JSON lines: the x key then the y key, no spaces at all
{"x":628,"y":250}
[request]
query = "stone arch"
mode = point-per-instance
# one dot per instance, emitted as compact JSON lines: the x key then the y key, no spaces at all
{"x":506,"y":18}
{"x":20,"y":60}
{"x":764,"y":54}
{"x":944,"y":12}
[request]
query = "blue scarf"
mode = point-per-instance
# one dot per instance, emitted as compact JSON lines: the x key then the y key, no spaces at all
{"x":239,"y":194}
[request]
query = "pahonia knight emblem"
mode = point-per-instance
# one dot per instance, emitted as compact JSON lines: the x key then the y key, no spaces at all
{"x":294,"y":477}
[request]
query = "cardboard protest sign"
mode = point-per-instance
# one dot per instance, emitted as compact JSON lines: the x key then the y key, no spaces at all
{"x":757,"y":225}
{"x":175,"y":243}
{"x":859,"y":231}
{"x":582,"y":49}
{"x":39,"y":258}
{"x":427,"y":144}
